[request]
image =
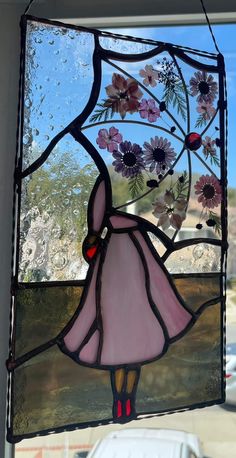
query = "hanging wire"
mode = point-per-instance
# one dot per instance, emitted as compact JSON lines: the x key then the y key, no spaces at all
{"x":28,"y":7}
{"x":107,"y":33}
{"x":209,"y":25}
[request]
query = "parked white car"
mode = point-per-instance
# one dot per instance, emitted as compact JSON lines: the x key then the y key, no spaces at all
{"x":148,"y":443}
{"x":231,"y":374}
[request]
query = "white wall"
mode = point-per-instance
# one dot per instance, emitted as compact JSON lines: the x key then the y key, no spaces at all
{"x":9,"y":65}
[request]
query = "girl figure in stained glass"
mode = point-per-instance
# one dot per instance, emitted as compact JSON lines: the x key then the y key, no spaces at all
{"x":130,"y":311}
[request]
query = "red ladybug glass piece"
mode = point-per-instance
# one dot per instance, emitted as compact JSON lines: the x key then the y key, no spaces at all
{"x":193,"y":141}
{"x":91,"y":252}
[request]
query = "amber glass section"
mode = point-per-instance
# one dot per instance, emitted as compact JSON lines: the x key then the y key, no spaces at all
{"x":190,"y":372}
{"x":41,"y":313}
{"x":51,"y":390}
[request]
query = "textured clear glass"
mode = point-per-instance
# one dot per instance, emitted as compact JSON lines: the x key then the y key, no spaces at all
{"x":54,"y":215}
{"x":58,"y":80}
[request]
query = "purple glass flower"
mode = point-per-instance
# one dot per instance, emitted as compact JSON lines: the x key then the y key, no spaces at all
{"x":204,"y":86}
{"x":129,"y":160}
{"x":149,"y":110}
{"x":109,"y":139}
{"x":159,"y":154}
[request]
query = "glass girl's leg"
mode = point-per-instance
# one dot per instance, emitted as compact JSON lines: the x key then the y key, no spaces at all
{"x":118,"y":386}
{"x":132,"y":378}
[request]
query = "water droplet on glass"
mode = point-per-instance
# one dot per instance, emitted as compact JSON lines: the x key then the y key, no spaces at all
{"x":51,"y":127}
{"x":46,"y":137}
{"x":51,"y":42}
{"x":57,"y":232}
{"x":198,"y":252}
{"x":72,"y":232}
{"x":36,"y":132}
{"x":66,"y":202}
{"x":59,"y":260}
{"x":38,"y":40}
{"x":64,"y":61}
{"x":85,"y":202}
{"x":28,"y":103}
{"x":76,"y":212}
{"x":26,"y":139}
{"x":56,"y":53}
{"x":40,"y":261}
{"x":50,"y":116}
{"x":45,"y":217}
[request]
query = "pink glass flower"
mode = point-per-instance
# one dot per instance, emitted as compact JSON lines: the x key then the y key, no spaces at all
{"x":150,"y":76}
{"x":209,"y":147}
{"x":206,"y":109}
{"x":123,"y":95}
{"x":149,"y":110}
{"x":109,"y":139}
{"x":208,"y":190}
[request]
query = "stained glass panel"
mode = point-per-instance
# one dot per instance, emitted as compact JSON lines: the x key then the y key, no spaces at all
{"x":119,"y":267}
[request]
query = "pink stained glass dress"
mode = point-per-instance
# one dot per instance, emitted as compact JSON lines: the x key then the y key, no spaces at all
{"x":130,"y":310}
